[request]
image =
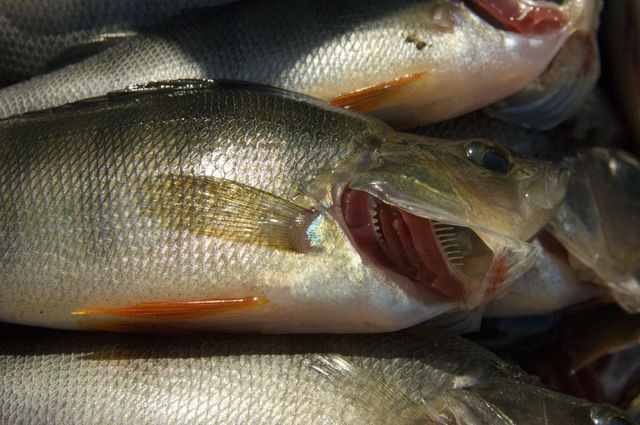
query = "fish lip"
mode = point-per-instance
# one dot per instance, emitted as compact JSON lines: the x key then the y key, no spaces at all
{"x":436,"y":275}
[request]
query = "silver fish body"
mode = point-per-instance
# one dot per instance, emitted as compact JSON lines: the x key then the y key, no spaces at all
{"x":549,"y":286}
{"x":559,"y":92}
{"x":399,"y":378}
{"x":423,"y":60}
{"x":205,"y":195}
{"x":35,"y":35}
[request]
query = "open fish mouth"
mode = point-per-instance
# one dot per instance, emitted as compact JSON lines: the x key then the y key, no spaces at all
{"x":449,"y":260}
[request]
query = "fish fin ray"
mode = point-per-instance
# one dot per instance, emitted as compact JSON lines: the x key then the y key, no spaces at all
{"x":178,"y":310}
{"x":83,"y":50}
{"x":378,"y":398}
{"x":378,"y":96}
{"x":227,"y":209}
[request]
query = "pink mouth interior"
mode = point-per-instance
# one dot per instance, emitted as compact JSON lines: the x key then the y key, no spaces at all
{"x":519,"y":16}
{"x":401,"y":242}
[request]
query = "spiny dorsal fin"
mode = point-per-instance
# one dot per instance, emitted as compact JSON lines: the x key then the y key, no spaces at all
{"x":170,"y":87}
{"x":187,"y":84}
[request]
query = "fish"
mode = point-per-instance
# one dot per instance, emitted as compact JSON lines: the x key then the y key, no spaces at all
{"x":550,"y":285}
{"x":233,"y":206}
{"x":561,"y":90}
{"x":407,"y":62}
{"x":599,"y":222}
{"x":409,"y":377}
{"x":590,"y":351}
{"x":597,"y":225}
{"x":36,"y":36}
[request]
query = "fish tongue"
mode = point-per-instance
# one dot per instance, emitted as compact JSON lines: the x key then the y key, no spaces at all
{"x":430,"y":256}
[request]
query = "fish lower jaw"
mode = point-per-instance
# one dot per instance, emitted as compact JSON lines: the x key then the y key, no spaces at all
{"x":447,"y":261}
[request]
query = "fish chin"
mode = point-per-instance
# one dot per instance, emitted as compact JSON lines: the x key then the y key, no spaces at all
{"x":452,"y":261}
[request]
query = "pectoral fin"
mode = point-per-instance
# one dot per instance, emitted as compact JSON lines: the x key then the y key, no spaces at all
{"x":181,"y":310}
{"x":375,"y":97}
{"x":81,"y":51}
{"x":230,"y":210}
{"x":380,"y":401}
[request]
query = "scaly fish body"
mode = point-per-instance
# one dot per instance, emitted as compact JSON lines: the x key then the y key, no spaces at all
{"x":408,"y":62}
{"x":400,"y":378}
{"x":35,"y":35}
{"x":257,"y":205}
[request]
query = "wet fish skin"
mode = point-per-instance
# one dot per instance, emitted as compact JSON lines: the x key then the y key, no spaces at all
{"x":35,"y":34}
{"x":85,"y":225}
{"x":321,"y":49}
{"x":548,"y":286}
{"x":598,"y":223}
{"x":404,"y":378}
{"x":561,"y":90}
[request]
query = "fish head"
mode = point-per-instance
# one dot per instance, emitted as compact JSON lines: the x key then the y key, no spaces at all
{"x":599,"y":219}
{"x":528,"y":403}
{"x":452,"y":217}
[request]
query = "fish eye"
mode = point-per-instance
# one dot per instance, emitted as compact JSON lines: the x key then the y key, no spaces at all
{"x":608,"y":415}
{"x":489,"y":157}
{"x":627,"y":173}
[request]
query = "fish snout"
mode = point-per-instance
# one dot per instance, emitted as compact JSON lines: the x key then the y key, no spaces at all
{"x":548,"y":188}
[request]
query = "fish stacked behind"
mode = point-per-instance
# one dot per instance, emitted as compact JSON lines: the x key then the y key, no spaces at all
{"x":408,"y":62}
{"x":402,"y":378}
{"x":36,"y":36}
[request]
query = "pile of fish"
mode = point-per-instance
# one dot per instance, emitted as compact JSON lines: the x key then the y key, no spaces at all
{"x":353,"y":174}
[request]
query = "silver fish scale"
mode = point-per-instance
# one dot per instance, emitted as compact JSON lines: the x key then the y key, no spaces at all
{"x":71,"y":183}
{"x":61,"y":378}
{"x":33,"y":34}
{"x":307,"y":46}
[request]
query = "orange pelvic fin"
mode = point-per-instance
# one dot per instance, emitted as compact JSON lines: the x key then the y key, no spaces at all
{"x":181,"y":310}
{"x":375,"y":97}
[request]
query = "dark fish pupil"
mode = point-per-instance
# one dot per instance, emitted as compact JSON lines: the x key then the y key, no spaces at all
{"x":494,"y":161}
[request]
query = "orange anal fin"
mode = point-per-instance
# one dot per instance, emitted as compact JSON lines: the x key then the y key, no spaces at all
{"x":181,"y":310}
{"x":375,"y":97}
{"x":156,"y":327}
